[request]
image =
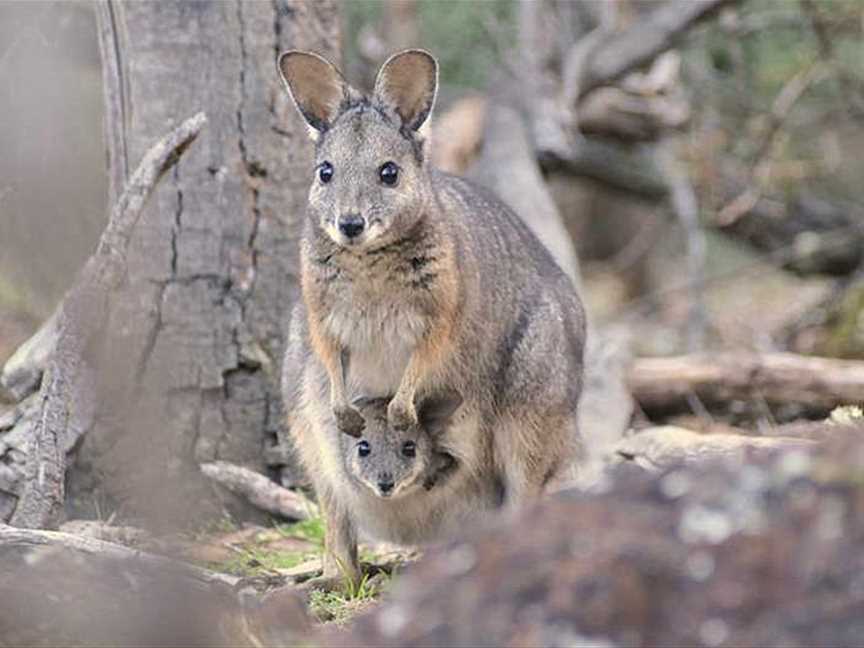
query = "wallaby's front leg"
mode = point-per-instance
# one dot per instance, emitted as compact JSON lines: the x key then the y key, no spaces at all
{"x":331,"y":354}
{"x":401,"y":412}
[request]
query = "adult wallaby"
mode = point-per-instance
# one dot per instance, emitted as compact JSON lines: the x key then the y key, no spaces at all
{"x":415,"y":281}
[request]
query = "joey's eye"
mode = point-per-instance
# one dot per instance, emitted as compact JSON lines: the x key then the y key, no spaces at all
{"x":409,"y":449}
{"x":363,"y":449}
{"x":389,"y":173}
{"x":325,"y":172}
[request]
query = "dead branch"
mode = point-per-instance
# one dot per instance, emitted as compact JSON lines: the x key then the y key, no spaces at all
{"x":783,"y":103}
{"x":66,"y":403}
{"x":658,"y":448}
{"x":260,"y":491}
{"x":663,"y":384}
{"x":629,"y":49}
{"x":686,"y":207}
{"x":849,"y":88}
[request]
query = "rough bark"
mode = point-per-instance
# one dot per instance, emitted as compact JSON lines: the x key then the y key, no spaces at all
{"x":44,"y":428}
{"x":666,"y":384}
{"x":189,"y":363}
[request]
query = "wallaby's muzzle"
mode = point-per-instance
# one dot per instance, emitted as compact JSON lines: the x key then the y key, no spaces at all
{"x":351,"y":225}
{"x":385,"y":484}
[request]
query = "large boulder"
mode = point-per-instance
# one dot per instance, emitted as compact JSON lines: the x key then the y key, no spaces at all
{"x":765,"y":552}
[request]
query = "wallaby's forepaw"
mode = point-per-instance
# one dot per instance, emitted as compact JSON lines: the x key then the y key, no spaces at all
{"x":349,"y":420}
{"x":401,"y":416}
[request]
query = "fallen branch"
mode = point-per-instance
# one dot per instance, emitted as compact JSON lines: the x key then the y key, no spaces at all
{"x":686,"y":208}
{"x":260,"y":491}
{"x":661,"y":447}
{"x":664,"y":384}
{"x":66,"y":403}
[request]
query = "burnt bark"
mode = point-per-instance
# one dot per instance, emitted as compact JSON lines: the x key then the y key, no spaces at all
{"x":166,"y":354}
{"x":42,"y":430}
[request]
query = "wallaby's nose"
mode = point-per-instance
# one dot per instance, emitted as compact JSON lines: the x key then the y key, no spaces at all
{"x":385,"y":483}
{"x":351,"y":225}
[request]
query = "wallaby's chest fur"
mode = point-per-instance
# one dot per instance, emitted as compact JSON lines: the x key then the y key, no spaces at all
{"x":377,"y":303}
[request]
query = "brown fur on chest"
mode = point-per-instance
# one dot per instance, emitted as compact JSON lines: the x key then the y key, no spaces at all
{"x":416,"y":275}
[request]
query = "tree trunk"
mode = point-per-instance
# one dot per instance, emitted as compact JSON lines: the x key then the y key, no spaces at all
{"x":189,"y":363}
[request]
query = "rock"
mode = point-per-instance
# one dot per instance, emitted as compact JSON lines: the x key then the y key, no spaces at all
{"x":764,"y":552}
{"x":52,"y":596}
{"x":127,"y":536}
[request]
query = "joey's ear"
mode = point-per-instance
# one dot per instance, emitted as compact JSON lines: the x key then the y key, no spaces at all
{"x":316,"y":86}
{"x":407,"y":84}
{"x":436,"y":411}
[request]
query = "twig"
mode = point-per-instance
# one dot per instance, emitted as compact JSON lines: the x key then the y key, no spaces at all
{"x":783,"y":103}
{"x":686,"y":207}
{"x":854,"y":109}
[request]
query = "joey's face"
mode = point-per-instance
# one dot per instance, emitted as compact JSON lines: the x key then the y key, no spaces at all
{"x":390,"y":464}
{"x":370,"y":184}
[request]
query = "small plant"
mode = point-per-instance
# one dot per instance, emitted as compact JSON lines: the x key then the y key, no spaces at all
{"x":339,"y":607}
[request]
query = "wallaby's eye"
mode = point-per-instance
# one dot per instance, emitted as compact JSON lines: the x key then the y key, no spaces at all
{"x":409,"y":449}
{"x":363,"y":449}
{"x":325,"y":172}
{"x":389,"y":173}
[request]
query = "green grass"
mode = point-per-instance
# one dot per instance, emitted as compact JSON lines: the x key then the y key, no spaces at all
{"x":257,"y":558}
{"x":254,"y":561}
{"x":311,"y":530}
{"x":341,"y":607}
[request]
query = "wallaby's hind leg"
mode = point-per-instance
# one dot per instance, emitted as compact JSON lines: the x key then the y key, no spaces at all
{"x":340,"y":563}
{"x":530,"y":452}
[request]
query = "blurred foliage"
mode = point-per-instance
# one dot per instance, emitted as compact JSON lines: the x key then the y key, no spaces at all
{"x":465,"y":35}
{"x":738,"y":66}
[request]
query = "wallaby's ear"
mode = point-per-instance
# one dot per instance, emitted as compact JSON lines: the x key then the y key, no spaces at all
{"x":316,"y":86}
{"x":407,"y":84}
{"x":436,"y":411}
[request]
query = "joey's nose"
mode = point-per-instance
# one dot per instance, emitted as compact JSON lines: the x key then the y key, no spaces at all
{"x":385,"y":483}
{"x":351,"y":225}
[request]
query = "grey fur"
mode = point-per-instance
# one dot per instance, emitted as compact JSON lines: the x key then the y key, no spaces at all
{"x":446,"y":289}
